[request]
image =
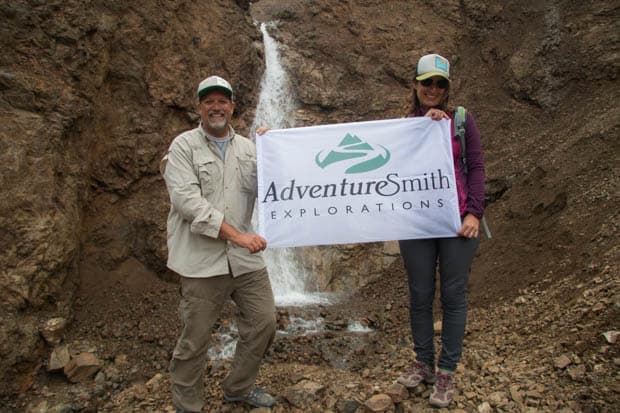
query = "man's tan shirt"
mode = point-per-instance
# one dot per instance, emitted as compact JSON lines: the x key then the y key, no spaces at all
{"x":204,"y":191}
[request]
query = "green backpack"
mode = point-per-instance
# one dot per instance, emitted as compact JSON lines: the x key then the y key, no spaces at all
{"x":460,"y":116}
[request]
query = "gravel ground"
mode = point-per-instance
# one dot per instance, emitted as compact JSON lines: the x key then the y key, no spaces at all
{"x":550,"y":348}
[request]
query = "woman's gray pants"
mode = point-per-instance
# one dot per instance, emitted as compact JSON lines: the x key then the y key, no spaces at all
{"x":454,"y":256}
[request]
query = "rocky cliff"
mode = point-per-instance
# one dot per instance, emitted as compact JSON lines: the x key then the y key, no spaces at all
{"x":540,"y":79}
{"x":92,"y":93}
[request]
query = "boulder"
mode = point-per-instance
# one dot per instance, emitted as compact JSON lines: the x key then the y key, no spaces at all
{"x":59,"y":358}
{"x":82,"y":367}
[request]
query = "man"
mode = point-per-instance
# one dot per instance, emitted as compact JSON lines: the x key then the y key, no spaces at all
{"x":210,"y":173}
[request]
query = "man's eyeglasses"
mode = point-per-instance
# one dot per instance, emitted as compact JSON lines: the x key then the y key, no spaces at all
{"x":441,"y":83}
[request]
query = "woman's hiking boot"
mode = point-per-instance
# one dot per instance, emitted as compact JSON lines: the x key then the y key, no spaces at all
{"x":443,"y":390}
{"x":419,"y":372}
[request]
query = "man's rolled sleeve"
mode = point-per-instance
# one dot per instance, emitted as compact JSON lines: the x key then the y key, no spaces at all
{"x":184,"y":189}
{"x":209,"y":225}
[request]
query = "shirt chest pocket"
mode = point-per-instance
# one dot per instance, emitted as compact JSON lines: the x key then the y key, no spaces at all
{"x":209,"y":176}
{"x":247,"y":169}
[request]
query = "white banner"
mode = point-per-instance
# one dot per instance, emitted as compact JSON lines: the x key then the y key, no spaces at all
{"x":357,"y":182}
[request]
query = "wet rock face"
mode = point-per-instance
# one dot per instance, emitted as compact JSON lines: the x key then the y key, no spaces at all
{"x":347,"y":267}
{"x":90,"y":98}
{"x":355,"y":61}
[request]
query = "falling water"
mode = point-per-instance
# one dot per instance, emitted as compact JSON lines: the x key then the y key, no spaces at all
{"x":276,"y":106}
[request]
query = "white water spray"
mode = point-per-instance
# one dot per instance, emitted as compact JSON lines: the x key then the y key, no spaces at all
{"x":276,"y":106}
{"x":358,"y":327}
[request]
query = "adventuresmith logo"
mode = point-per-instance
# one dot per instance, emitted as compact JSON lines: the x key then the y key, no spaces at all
{"x":358,"y":178}
{"x":352,"y":147}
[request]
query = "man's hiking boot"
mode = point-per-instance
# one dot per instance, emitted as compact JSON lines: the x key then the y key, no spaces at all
{"x":419,"y":372}
{"x":443,"y":390}
{"x":256,"y":397}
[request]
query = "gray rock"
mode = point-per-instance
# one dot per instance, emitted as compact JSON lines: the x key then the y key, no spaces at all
{"x":53,"y":330}
{"x":348,"y":406}
{"x":497,"y":398}
{"x":58,"y":359}
{"x":82,"y":367}
{"x":515,"y":394}
{"x":379,"y":403}
{"x":303,"y":393}
{"x":100,"y":378}
{"x":485,"y":407}
{"x":562,"y":362}
{"x":611,"y":336}
{"x":397,"y":392}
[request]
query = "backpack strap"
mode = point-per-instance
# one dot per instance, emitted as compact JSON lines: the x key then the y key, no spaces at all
{"x":460,"y":115}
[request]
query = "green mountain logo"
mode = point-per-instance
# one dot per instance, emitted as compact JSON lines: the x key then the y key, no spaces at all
{"x":351,"y":147}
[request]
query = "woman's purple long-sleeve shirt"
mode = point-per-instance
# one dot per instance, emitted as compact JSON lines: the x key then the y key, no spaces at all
{"x":470,"y":186}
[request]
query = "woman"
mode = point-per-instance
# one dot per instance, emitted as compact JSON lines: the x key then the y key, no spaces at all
{"x":454,"y":256}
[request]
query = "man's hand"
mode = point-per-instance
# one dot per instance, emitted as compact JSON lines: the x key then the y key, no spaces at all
{"x":254,"y":243}
{"x":262,"y":129}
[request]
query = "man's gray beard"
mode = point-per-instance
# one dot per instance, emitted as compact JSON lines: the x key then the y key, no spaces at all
{"x":217,"y":126}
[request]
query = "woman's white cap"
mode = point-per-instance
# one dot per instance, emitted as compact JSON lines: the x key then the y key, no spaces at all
{"x":432,"y":65}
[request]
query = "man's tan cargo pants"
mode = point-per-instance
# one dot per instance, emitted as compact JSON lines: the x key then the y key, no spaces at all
{"x":202,"y":300}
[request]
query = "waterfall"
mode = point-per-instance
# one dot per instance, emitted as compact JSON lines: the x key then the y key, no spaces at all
{"x":276,"y":106}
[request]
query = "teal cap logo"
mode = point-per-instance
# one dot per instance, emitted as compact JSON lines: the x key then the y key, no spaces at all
{"x":351,"y":147}
{"x":441,"y":63}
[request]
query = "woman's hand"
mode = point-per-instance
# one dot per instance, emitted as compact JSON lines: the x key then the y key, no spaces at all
{"x":262,"y":129}
{"x":437,"y":114}
{"x":470,"y":226}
